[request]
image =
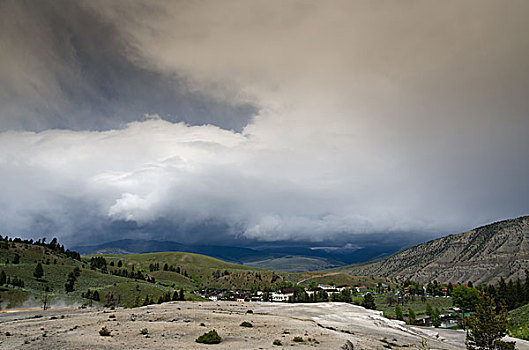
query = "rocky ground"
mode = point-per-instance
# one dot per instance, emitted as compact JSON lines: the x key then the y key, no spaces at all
{"x":176,"y":326}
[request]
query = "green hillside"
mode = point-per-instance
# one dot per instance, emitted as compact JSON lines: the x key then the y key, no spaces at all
{"x":519,"y":322}
{"x":56,"y":267}
{"x":197,"y":271}
{"x":126,"y":278}
{"x":131,"y":280}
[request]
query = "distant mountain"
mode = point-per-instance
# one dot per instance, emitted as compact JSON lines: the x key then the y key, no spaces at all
{"x":300,"y":257}
{"x":136,"y":246}
{"x":481,"y":255}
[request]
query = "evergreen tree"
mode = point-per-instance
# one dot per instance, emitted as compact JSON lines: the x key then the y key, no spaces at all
{"x":68,"y":286}
{"x":3,"y":278}
{"x":436,"y":317}
{"x":16,"y":259}
{"x":181,"y":295}
{"x":511,"y":296}
{"x":411,"y":316}
{"x":526,"y":287}
{"x":518,"y":293}
{"x":487,"y":328}
{"x":39,"y":272}
{"x":398,"y":313}
{"x":369,"y":302}
{"x":501,"y":292}
{"x":429,"y":310}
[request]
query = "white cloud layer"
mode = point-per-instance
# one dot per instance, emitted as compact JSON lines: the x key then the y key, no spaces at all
{"x":263,"y":188}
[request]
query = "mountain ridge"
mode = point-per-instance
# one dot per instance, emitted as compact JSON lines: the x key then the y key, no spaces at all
{"x":482,"y":255}
{"x":271,"y":257}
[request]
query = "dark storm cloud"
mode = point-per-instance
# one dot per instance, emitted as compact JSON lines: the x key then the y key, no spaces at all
{"x":393,"y":118}
{"x":66,"y":66}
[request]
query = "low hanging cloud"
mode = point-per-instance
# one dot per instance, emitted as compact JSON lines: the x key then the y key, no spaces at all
{"x":268,"y":120}
{"x":152,"y":171}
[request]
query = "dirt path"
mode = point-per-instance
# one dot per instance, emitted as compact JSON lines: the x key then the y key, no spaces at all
{"x":316,"y":276}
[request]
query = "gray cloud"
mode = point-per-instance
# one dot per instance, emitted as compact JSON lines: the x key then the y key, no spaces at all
{"x":64,"y":65}
{"x":368,"y":119}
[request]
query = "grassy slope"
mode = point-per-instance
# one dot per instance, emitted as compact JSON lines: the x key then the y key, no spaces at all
{"x":519,"y":322}
{"x":417,"y":305}
{"x":54,"y":279}
{"x":200,"y":271}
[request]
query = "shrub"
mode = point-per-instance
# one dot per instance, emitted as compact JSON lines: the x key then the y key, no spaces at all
{"x":277,"y":342}
{"x":298,"y":339}
{"x":144,"y":331}
{"x":246,"y":324}
{"x":249,"y":312}
{"x":211,"y":337}
{"x":104,"y":332}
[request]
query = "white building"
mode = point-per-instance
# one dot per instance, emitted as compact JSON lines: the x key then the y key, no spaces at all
{"x":278,"y":296}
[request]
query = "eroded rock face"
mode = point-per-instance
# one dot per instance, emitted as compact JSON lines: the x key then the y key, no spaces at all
{"x":482,"y":255}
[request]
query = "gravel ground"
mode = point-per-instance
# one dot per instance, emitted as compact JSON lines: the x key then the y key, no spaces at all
{"x":176,"y":325}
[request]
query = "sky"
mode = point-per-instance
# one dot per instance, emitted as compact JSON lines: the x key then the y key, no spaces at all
{"x":262,"y":121}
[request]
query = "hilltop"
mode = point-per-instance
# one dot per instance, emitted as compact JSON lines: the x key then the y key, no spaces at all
{"x":481,"y":255}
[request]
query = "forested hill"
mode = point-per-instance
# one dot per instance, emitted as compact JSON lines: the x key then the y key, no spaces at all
{"x":481,"y":255}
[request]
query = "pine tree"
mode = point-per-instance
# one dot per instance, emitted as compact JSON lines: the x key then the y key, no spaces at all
{"x":518,"y":293}
{"x":39,"y":272}
{"x":511,"y":295}
{"x":436,"y":317}
{"x":487,"y":328}
{"x":369,"y":302}
{"x":181,"y":295}
{"x":398,"y":313}
{"x":411,"y":316}
{"x":429,"y":310}
{"x":526,"y":287}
